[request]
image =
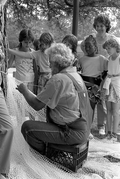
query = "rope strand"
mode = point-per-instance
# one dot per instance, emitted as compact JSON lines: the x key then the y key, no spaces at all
{"x":4,"y":72}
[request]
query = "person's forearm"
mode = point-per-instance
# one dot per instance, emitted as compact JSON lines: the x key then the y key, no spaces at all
{"x":32,"y":100}
{"x":20,"y":54}
{"x":30,"y":97}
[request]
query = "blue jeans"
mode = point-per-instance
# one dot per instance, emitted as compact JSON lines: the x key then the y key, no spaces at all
{"x":37,"y":134}
{"x":101,"y":116}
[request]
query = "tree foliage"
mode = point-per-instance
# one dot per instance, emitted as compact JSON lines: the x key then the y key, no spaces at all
{"x":51,"y":9}
{"x":95,"y":3}
{"x":56,"y":15}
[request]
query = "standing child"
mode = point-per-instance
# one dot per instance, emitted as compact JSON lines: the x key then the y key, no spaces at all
{"x":102,"y":26}
{"x":92,"y":64}
{"x":92,"y":67}
{"x":25,"y":71}
{"x":42,"y":61}
{"x":111,"y":87}
{"x":71,"y":41}
{"x":24,"y":66}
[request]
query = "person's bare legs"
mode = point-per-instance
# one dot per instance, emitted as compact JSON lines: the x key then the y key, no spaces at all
{"x":101,"y":118}
{"x":109,"y":116}
{"x":116,"y":119}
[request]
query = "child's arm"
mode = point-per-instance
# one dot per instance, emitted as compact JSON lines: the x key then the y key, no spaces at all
{"x":11,"y":60}
{"x":104,"y":66}
{"x":80,"y":64}
{"x":21,"y":54}
{"x":103,"y":63}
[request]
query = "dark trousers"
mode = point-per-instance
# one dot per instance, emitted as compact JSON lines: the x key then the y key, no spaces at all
{"x":37,"y":134}
{"x":101,"y":115}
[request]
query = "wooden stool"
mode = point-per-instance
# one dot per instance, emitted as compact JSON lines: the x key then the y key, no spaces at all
{"x":70,"y":156}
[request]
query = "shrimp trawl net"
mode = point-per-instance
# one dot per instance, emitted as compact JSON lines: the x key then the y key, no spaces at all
{"x":28,"y":164}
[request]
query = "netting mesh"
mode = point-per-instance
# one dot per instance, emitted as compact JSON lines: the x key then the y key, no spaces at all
{"x":28,"y":164}
{"x":2,"y":2}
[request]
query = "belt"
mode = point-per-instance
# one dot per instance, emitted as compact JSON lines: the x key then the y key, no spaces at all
{"x":110,"y":76}
{"x":43,"y":73}
{"x":94,"y":80}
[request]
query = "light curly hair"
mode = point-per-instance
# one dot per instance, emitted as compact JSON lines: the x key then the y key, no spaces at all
{"x":113,"y":43}
{"x":60,"y":54}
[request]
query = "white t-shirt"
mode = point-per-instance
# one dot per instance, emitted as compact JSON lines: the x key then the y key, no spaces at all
{"x":41,"y":60}
{"x":113,"y":69}
{"x":93,"y":66}
{"x":24,"y":69}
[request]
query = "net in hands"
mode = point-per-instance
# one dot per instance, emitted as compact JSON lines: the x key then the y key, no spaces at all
{"x":26,"y":163}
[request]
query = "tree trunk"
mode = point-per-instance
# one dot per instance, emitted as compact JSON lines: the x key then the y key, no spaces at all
{"x":3,"y":45}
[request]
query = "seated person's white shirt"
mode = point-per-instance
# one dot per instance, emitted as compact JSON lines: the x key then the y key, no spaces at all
{"x":60,"y":95}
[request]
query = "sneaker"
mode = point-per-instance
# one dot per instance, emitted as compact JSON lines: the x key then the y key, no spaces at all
{"x":91,"y":136}
{"x":109,"y":136}
{"x":114,"y":137}
{"x":102,"y":131}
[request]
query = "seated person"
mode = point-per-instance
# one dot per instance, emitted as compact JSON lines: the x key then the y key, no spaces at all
{"x":68,"y":105}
